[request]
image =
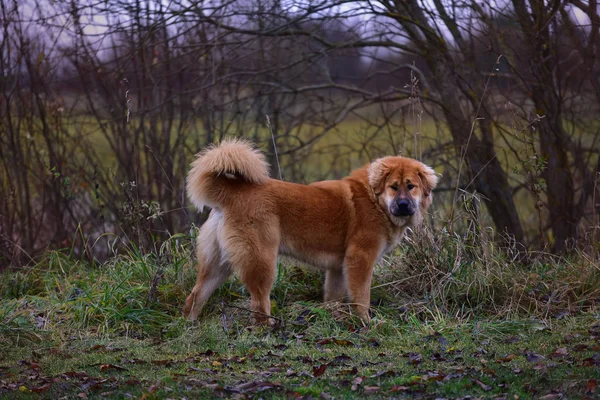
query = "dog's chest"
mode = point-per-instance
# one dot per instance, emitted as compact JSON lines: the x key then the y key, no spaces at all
{"x":392,"y":241}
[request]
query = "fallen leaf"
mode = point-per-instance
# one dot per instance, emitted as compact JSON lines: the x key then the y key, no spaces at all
{"x":483,"y":386}
{"x":320,"y":370}
{"x":256,"y":386}
{"x":76,"y":374}
{"x":590,"y":386}
{"x":399,"y":388}
{"x":511,"y":340}
{"x":539,"y":366}
{"x":560,"y":352}
{"x":162,"y":362}
{"x":271,"y":354}
{"x":437,"y":357}
{"x":341,"y":358}
{"x":592,"y":361}
{"x":106,"y":367}
{"x":352,"y":371}
{"x":580,"y":347}
{"x":371,"y":389}
{"x":82,"y":395}
{"x":356,"y":383}
{"x":506,"y":359}
{"x":551,"y":396}
{"x":533,"y":357}
{"x":339,"y":342}
{"x":383,"y":373}
{"x":434,"y":376}
{"x":42,"y":388}
{"x":414,"y":358}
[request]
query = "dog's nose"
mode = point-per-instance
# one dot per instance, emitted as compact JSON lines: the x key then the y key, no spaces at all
{"x":402,"y":208}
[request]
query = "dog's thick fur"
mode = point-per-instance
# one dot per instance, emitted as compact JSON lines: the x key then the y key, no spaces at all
{"x":343,"y":226}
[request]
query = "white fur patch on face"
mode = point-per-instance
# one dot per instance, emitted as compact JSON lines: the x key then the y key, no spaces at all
{"x":388,"y":201}
{"x":398,"y":221}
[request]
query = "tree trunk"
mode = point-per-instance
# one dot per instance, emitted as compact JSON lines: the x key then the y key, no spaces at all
{"x":483,"y":167}
{"x":546,"y":95}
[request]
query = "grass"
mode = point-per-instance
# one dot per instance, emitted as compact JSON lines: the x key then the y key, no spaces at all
{"x":479,"y":359}
{"x":451,"y":317}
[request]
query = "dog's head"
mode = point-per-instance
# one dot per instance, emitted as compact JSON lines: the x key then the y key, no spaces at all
{"x":403,"y":188}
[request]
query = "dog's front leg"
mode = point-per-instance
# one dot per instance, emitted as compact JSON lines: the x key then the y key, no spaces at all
{"x":358,"y":264}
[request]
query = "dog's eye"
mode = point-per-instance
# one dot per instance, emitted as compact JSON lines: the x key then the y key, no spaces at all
{"x":394,"y":187}
{"x":410,"y":186}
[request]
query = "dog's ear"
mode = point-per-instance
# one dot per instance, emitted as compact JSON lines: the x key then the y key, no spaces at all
{"x":429,"y":179}
{"x":377,"y":173}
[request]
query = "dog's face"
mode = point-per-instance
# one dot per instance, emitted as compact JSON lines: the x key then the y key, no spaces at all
{"x":403,"y":188}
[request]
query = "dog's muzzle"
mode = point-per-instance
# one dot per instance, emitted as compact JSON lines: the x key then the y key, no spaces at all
{"x":402,"y":208}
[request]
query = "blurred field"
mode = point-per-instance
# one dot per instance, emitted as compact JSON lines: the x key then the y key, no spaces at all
{"x":333,"y":153}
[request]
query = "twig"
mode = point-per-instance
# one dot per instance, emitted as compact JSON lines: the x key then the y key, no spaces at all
{"x":464,"y":152}
{"x":281,"y":320}
{"x":274,"y":145}
{"x":224,"y":317}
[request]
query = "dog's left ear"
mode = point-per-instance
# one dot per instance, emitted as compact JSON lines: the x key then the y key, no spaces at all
{"x":429,"y":179}
{"x":377,"y":174}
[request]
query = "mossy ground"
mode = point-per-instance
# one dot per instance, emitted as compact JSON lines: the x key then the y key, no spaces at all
{"x":73,"y":330}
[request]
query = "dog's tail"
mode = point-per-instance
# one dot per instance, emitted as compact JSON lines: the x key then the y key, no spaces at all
{"x":218,"y":167}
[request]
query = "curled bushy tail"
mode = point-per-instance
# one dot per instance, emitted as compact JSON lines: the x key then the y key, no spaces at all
{"x":216,"y":166}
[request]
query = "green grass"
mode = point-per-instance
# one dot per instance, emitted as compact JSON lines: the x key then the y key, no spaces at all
{"x":391,"y":359}
{"x":447,"y":323}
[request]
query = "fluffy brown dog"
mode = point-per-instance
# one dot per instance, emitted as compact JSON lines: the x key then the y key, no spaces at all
{"x":343,"y":227}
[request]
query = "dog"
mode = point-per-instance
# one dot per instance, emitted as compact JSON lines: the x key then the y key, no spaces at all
{"x":341,"y":226}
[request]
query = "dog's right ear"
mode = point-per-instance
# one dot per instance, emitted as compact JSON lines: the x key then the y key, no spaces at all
{"x":377,"y":173}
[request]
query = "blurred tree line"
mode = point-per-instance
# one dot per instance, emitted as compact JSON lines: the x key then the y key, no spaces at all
{"x":103,"y":104}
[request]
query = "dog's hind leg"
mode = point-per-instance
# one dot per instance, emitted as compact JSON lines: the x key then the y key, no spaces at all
{"x":210,"y":277}
{"x":253,"y":253}
{"x":335,"y":286}
{"x":258,"y":277}
{"x":213,"y":271}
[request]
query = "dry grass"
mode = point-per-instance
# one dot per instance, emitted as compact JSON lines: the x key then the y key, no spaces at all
{"x":464,"y":270}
